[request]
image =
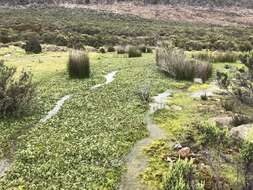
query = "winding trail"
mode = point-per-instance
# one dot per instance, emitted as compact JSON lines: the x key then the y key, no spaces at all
{"x":136,"y":160}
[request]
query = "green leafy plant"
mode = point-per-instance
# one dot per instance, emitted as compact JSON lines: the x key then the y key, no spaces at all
{"x":247,"y":158}
{"x":16,"y":95}
{"x":181,"y":176}
{"x":78,"y":65}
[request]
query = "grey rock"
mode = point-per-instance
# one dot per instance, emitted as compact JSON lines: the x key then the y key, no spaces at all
{"x":241,"y":132}
{"x":222,"y":121}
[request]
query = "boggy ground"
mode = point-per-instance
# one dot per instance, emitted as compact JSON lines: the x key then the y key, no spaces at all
{"x":85,"y":144}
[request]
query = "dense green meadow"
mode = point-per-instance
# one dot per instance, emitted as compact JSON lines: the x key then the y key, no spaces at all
{"x":83,"y":146}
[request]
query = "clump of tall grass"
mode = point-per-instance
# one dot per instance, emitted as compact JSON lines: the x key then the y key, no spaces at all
{"x":175,"y":63}
{"x":134,"y":52}
{"x":78,"y":65}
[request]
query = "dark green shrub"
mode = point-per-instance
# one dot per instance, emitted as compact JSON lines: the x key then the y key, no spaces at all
{"x":149,"y":50}
{"x":16,"y":95}
{"x":102,"y":50}
{"x":181,"y":177}
{"x":210,"y":134}
{"x":143,"y":49}
{"x":33,"y":46}
{"x":78,"y":65}
{"x":134,"y":52}
{"x":111,"y":49}
{"x":121,"y":51}
{"x":247,"y":160}
{"x":61,"y":40}
{"x":245,"y":46}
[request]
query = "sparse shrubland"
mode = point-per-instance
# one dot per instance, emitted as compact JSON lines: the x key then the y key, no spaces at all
{"x":175,"y":63}
{"x":76,"y":28}
{"x":239,"y":84}
{"x":17,"y":93}
{"x":78,"y":65}
{"x":217,"y":56}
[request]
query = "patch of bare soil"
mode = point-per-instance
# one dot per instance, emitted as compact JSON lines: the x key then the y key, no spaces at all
{"x":227,"y":16}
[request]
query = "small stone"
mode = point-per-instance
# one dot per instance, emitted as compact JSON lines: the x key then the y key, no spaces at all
{"x":198,"y":81}
{"x":184,"y":152}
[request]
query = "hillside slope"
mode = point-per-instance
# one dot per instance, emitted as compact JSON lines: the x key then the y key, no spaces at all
{"x":244,"y":3}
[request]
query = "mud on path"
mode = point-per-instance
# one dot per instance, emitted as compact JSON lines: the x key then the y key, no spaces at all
{"x":136,"y":160}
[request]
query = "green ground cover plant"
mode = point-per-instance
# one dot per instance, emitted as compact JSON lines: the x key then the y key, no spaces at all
{"x":83,"y":146}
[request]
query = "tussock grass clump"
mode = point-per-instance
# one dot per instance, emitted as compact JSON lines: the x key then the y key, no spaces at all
{"x":78,"y":65}
{"x":175,"y":63}
{"x":16,"y":94}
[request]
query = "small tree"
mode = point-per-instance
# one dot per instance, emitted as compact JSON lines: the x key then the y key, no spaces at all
{"x":16,"y":95}
{"x":33,"y":46}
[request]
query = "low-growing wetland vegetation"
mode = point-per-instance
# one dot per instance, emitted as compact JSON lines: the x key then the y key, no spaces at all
{"x":123,"y":102}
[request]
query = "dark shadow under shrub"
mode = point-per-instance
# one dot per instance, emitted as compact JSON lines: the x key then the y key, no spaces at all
{"x":78,"y":65}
